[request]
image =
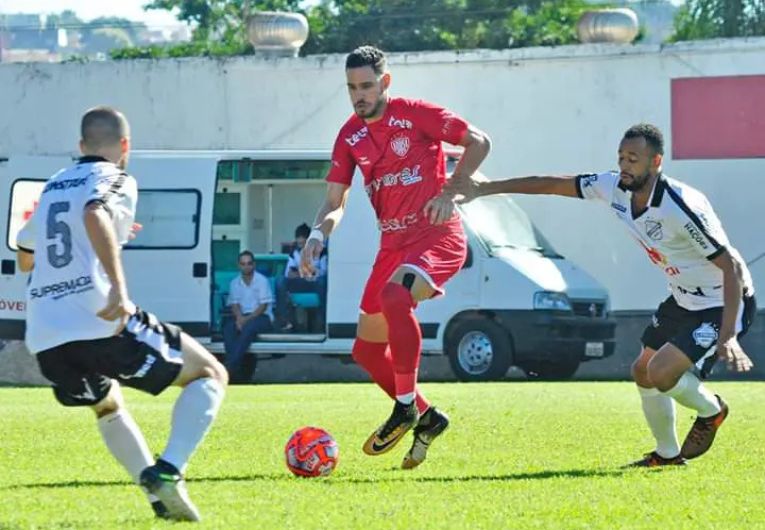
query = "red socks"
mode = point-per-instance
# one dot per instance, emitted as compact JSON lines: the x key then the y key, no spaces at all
{"x":404,"y":337}
{"x":375,"y":358}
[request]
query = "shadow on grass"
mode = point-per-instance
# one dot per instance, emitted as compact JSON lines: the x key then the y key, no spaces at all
{"x":538,"y":475}
{"x":402,"y":477}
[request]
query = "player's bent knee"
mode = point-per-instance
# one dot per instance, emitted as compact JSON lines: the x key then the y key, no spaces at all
{"x":110,"y":404}
{"x":372,"y":328}
{"x":661,"y":378}
{"x":640,"y":374}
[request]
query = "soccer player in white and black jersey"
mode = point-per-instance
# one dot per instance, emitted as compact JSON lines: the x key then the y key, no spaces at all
{"x":712,"y":297}
{"x":89,"y":338}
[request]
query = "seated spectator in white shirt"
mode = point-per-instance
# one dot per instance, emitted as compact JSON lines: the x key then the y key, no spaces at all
{"x":293,"y":283}
{"x":250,"y":299}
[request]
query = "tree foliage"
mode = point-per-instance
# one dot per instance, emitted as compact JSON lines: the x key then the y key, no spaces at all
{"x":337,"y":26}
{"x":708,"y":19}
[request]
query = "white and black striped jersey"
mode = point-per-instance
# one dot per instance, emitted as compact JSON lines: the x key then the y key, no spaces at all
{"x":68,"y":285}
{"x":679,"y":231}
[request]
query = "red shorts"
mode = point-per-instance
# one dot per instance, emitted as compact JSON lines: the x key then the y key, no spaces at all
{"x":436,"y":257}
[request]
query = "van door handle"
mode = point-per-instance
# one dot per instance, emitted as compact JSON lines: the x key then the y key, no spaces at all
{"x":8,"y":267}
{"x":199,"y":270}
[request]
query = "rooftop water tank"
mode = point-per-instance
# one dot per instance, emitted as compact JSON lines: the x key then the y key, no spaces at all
{"x":277,"y":34}
{"x":608,"y":25}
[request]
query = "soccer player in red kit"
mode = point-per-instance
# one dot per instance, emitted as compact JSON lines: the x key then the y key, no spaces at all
{"x":396,"y":143}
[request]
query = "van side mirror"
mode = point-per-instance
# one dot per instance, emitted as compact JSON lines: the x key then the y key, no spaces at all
{"x":469,"y":259}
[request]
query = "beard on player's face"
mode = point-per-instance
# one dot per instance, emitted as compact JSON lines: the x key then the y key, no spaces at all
{"x":366,"y":110}
{"x":636,"y":182}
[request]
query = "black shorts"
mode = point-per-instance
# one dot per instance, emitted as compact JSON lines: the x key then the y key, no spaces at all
{"x":694,"y":332}
{"x":146,"y":355}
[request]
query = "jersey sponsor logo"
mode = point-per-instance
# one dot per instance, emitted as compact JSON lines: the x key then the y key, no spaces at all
{"x":357,"y":136}
{"x":400,"y":145}
{"x":406,"y":177}
{"x":62,"y":289}
{"x":58,"y":185}
{"x":396,"y":224}
{"x":705,"y":335}
{"x":659,"y":259}
{"x":654,"y":230}
{"x":401,"y":124}
{"x":410,"y":176}
{"x":619,"y":207}
{"x":589,"y":180}
{"x":696,"y":235}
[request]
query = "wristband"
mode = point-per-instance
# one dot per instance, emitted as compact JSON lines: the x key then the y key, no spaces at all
{"x":317,"y":235}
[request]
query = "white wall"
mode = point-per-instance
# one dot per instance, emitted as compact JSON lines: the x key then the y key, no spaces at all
{"x":559,"y":110}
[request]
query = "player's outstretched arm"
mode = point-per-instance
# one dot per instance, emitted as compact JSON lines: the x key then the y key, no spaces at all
{"x":329,"y":216}
{"x":477,"y":145}
{"x":98,"y":224}
{"x":469,"y":189}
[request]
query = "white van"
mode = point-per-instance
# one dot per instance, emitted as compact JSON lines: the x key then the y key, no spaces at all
{"x":516,"y":301}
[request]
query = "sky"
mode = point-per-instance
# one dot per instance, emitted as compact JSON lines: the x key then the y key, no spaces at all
{"x":90,"y":9}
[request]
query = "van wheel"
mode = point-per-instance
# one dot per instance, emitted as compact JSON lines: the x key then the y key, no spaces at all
{"x":478,"y":350}
{"x":550,"y":370}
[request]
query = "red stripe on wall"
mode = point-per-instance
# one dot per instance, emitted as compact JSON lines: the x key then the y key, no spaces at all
{"x":718,"y":117}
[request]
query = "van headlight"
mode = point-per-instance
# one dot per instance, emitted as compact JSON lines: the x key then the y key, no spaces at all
{"x":550,"y":301}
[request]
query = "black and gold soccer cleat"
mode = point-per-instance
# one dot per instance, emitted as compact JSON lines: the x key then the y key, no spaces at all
{"x":385,"y":438}
{"x":703,"y":432}
{"x":431,"y":425}
{"x":654,"y":459}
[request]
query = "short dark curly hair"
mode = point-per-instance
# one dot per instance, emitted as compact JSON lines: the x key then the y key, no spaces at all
{"x":651,"y":133}
{"x":303,"y":231}
{"x":367,"y":56}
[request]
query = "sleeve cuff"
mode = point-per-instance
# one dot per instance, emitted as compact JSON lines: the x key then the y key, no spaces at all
{"x":716,"y":253}
{"x":25,"y":249}
{"x":578,"y":185}
{"x":102,"y":203}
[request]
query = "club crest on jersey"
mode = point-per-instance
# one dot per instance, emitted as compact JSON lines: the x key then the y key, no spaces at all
{"x":400,"y":145}
{"x":653,"y":230}
{"x":705,"y":335}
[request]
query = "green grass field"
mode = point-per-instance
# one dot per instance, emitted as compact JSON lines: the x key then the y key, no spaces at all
{"x":518,"y":455}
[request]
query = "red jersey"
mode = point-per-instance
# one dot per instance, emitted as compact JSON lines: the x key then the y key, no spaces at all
{"x":402,"y":162}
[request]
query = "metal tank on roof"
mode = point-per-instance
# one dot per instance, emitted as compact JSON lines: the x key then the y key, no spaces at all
{"x":608,"y":25}
{"x":277,"y":34}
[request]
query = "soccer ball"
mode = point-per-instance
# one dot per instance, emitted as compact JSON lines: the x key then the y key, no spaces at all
{"x":311,"y":452}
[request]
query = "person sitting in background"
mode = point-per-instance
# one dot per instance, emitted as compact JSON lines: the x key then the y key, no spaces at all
{"x":250,"y":299}
{"x":292,"y":282}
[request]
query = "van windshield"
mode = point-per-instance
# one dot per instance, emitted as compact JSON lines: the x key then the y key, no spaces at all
{"x":500,"y":223}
